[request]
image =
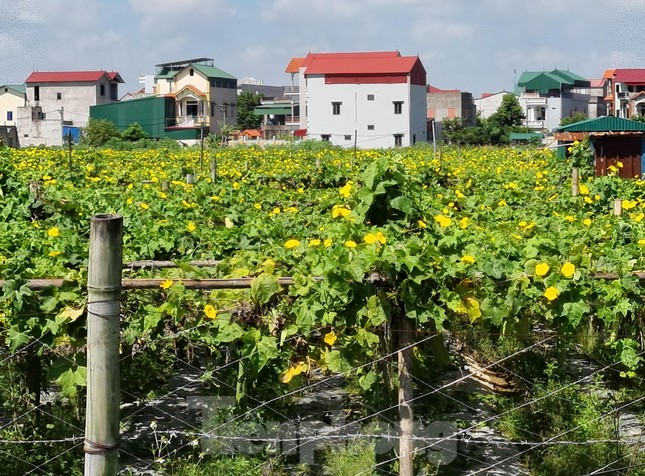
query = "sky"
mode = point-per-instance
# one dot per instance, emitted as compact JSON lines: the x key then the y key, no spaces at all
{"x":471,"y":45}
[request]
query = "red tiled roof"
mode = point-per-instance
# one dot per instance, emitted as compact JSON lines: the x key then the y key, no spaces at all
{"x":251,"y":133}
{"x":294,"y":65}
{"x":609,"y":74}
{"x":630,"y":76}
{"x":71,"y":76}
{"x":434,"y":89}
{"x":597,"y":83}
{"x":388,"y":62}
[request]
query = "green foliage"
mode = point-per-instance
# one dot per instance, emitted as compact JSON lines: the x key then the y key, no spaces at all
{"x":133,"y":133}
{"x":98,"y":132}
{"x":576,"y":116}
{"x":246,"y":103}
{"x":354,"y":458}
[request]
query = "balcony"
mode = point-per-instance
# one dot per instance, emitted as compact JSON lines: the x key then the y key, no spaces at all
{"x":188,"y":121}
{"x":537,"y":125}
{"x":291,"y":90}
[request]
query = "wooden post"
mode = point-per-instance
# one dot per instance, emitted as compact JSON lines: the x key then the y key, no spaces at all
{"x":190,"y":178}
{"x":618,"y":207}
{"x":213,"y":170}
{"x":103,"y":309}
{"x":404,"y":329}
{"x":575,"y":177}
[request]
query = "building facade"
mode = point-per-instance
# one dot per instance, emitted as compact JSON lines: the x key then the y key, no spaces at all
{"x":625,"y":92}
{"x":548,"y":97}
{"x":371,"y":100}
{"x":204,"y":95}
{"x":11,"y":98}
{"x":449,"y":104}
{"x":489,"y":103}
{"x":58,"y":100}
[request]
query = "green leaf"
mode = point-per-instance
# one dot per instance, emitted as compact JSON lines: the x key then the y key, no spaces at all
{"x":366,"y":381}
{"x":336,"y":362}
{"x":264,"y":287}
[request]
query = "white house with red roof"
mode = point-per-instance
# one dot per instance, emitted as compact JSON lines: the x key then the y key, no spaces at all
{"x":489,"y":103}
{"x":59,"y":100}
{"x":371,"y":99}
{"x":625,"y":90}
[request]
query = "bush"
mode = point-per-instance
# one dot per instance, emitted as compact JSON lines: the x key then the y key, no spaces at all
{"x":98,"y":132}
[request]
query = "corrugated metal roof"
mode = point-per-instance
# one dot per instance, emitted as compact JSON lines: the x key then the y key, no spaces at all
{"x":544,"y":81}
{"x":294,"y":65}
{"x":603,"y":124}
{"x":525,"y":135}
{"x":212,"y":71}
{"x":630,"y":76}
{"x":17,"y":89}
{"x":71,"y":76}
{"x":362,"y":65}
{"x":276,"y":110}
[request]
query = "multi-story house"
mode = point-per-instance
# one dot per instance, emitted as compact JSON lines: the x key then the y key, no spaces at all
{"x":11,"y":98}
{"x":373,"y":100}
{"x":449,"y":104}
{"x":625,"y":92}
{"x":489,"y":103}
{"x":548,"y":97}
{"x":56,"y":101}
{"x":204,"y":95}
{"x":597,"y":104}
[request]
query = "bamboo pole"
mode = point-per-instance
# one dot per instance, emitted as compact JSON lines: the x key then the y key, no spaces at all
{"x":575,"y":179}
{"x":159,"y":264}
{"x":103,"y":309}
{"x":618,"y":207}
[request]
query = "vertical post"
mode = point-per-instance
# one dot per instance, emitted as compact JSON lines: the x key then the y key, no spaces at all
{"x":190,"y":178}
{"x":575,"y":178}
{"x":618,"y":207}
{"x":201,"y":151}
{"x":69,"y":143}
{"x":213,"y":170}
{"x":103,"y":309}
{"x":434,"y":140}
{"x":404,"y":329}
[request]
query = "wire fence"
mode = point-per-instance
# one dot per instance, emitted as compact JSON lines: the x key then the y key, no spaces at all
{"x":174,"y":420}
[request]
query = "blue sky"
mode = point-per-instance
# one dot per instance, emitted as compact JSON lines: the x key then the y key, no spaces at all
{"x":472,"y":45}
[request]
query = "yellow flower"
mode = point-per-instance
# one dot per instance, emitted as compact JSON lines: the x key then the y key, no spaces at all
{"x":53,"y":232}
{"x":191,"y":227}
{"x":586,"y":222}
{"x":569,"y":218}
{"x":541,"y":269}
{"x":53,"y":254}
{"x":276,"y":210}
{"x":467,"y":259}
{"x":502,"y":203}
{"x":588,"y":200}
{"x":144,"y":205}
{"x":370,"y":238}
{"x":291,"y":244}
{"x":443,"y":220}
{"x":257,"y":206}
{"x":583,"y":189}
{"x":292,"y":371}
{"x":464,"y":222}
{"x":162,"y":195}
{"x":339,"y":211}
{"x":568,"y":269}
{"x":628,"y":204}
{"x":422,"y":224}
{"x":210,"y":311}
{"x":641,"y":242}
{"x":639,"y":217}
{"x":346,"y":190}
{"x":165,"y":284}
{"x":380,"y":237}
{"x":314,"y":242}
{"x":327,"y":243}
{"x":330,"y":338}
{"x":551,"y":293}
{"x":350,"y":244}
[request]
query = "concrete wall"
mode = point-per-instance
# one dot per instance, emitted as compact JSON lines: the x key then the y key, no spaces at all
{"x":485,"y":107}
{"x":373,"y":121}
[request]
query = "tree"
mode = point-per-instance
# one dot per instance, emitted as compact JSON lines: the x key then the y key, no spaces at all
{"x":226,"y":130}
{"x":246,"y":103}
{"x":509,"y":114}
{"x":133,"y":133}
{"x":576,"y":116}
{"x":99,"y":131}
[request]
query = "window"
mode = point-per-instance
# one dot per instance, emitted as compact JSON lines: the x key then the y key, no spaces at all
{"x":370,"y":97}
{"x":398,"y":140}
{"x":36,"y":93}
{"x":398,"y":107}
{"x":348,"y":137}
{"x":59,"y":96}
{"x":370,"y":127}
{"x":102,"y":89}
{"x":9,"y":115}
{"x":325,"y":137}
{"x":192,"y":72}
{"x":335,"y":106}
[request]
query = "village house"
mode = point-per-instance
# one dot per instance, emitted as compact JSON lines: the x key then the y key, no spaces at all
{"x":546,"y":97}
{"x":58,"y":103}
{"x":12,"y":97}
{"x":371,"y":100}
{"x":489,"y":103}
{"x":625,"y":92}
{"x":189,"y":99}
{"x":449,"y":104}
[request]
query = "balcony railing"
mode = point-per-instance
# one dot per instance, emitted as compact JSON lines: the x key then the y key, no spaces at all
{"x":291,"y":89}
{"x":534,"y":124}
{"x":188,"y":121}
